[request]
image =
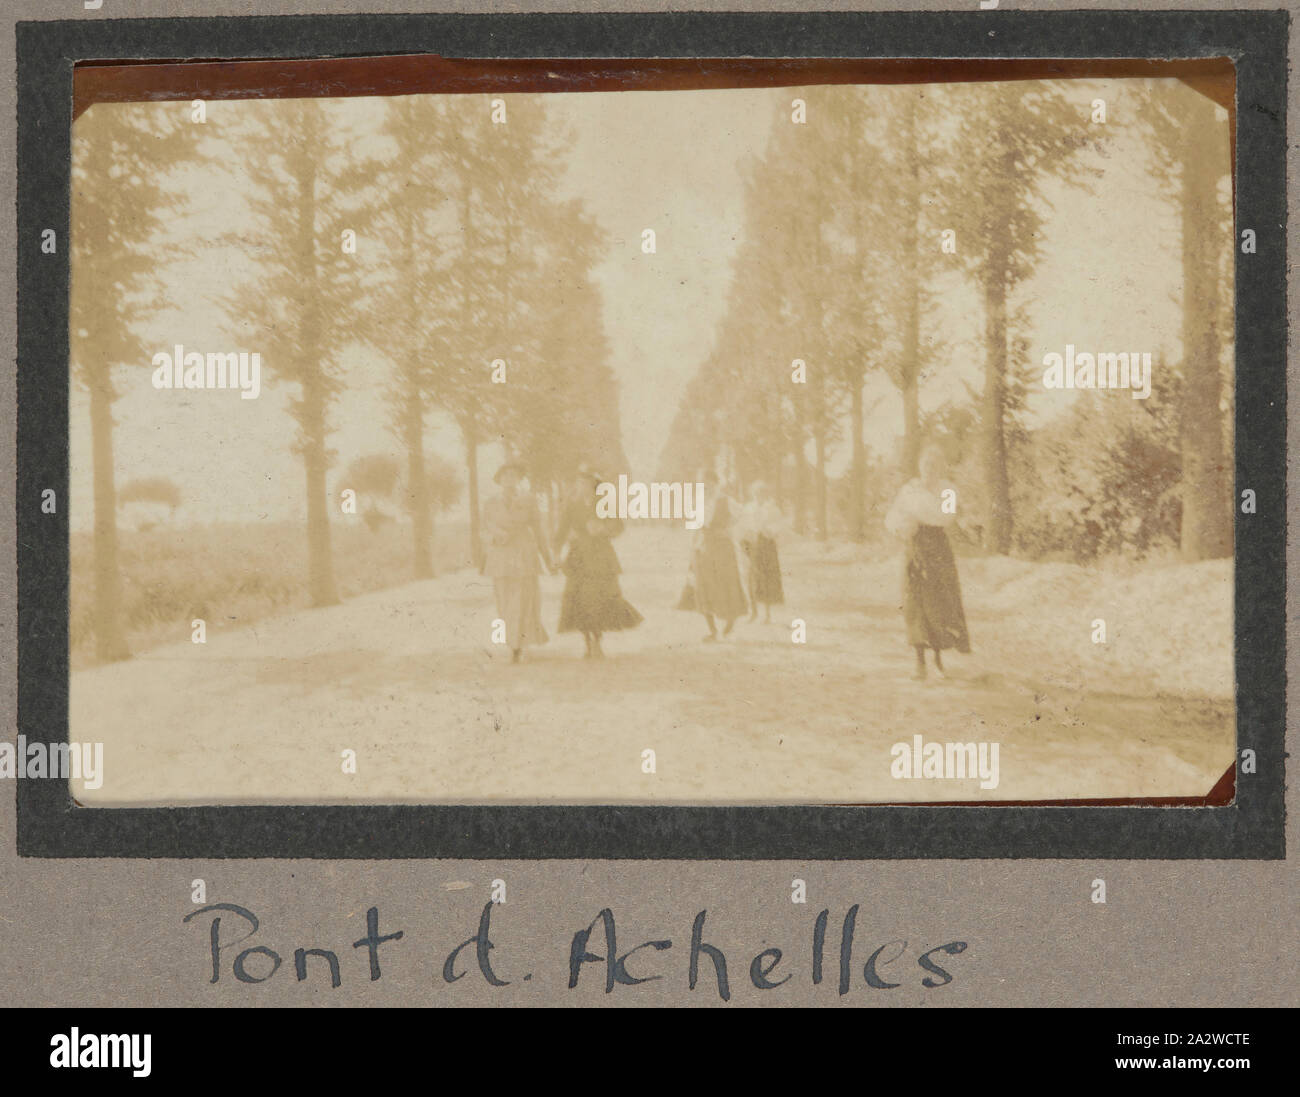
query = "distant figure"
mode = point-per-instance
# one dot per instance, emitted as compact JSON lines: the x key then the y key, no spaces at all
{"x":931,"y":592}
{"x":761,"y":522}
{"x":515,"y":547}
{"x":715,"y":573}
{"x":593,"y":603}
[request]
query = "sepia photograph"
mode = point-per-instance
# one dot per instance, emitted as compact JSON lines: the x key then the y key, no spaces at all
{"x":731,"y":509}
{"x":839,"y":443}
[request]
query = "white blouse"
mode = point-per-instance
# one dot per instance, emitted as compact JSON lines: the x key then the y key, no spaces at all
{"x":765,"y":518}
{"x":916,"y":505}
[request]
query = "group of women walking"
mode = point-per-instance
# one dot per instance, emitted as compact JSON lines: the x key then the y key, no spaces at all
{"x":517,"y":550}
{"x":715,"y":589}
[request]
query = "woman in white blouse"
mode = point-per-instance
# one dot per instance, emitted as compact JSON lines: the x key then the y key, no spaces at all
{"x":932,"y":606}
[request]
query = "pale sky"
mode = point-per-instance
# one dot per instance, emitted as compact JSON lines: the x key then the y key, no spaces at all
{"x":1109,"y":279}
{"x":667,"y":161}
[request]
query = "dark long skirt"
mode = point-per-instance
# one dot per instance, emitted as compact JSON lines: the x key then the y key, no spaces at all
{"x":764,"y":571}
{"x":932,"y":594}
{"x":718,"y":591}
{"x":593,"y":601}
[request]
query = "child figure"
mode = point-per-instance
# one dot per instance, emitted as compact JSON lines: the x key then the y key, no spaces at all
{"x":760,"y":524}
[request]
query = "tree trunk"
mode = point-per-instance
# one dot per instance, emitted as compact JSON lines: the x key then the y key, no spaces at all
{"x":858,"y":506}
{"x":1207,"y":502}
{"x":820,"y":442}
{"x":468,"y":426}
{"x":411,"y":379}
{"x":471,"y":468}
{"x":110,"y":637}
{"x":320,"y":559}
{"x":417,"y":486}
{"x":911,"y":429}
{"x":774,"y":477}
{"x":997,"y":534}
{"x":800,"y":470}
{"x":909,"y":364}
{"x":819,"y":448}
{"x":311,"y":411}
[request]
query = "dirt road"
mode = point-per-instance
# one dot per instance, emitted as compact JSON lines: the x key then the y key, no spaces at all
{"x":409,"y":679}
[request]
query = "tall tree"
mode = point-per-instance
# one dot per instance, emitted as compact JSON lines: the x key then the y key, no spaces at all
{"x":1192,"y":152}
{"x":464,"y":382}
{"x":562,"y":407}
{"x":1011,"y":138}
{"x":786,"y":214}
{"x":909,"y":360}
{"x":295,"y":310}
{"x":121,"y":206}
{"x":864,"y":295}
{"x":403,"y":310}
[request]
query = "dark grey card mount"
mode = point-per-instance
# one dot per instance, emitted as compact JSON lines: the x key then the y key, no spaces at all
{"x":1249,"y":826}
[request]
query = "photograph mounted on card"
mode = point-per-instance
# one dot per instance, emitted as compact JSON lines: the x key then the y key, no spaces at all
{"x":662,"y":434}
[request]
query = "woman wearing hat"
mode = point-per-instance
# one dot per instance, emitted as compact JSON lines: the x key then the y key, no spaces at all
{"x":515,"y":549}
{"x":593,"y":603}
{"x":932,"y":607}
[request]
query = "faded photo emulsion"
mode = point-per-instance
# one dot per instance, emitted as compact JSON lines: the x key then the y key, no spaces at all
{"x":838,"y":443}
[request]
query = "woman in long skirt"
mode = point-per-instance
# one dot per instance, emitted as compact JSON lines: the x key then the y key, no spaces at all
{"x":593,"y":602}
{"x":932,"y":606}
{"x":515,"y":548}
{"x":760,"y":525}
{"x":716,"y":575}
